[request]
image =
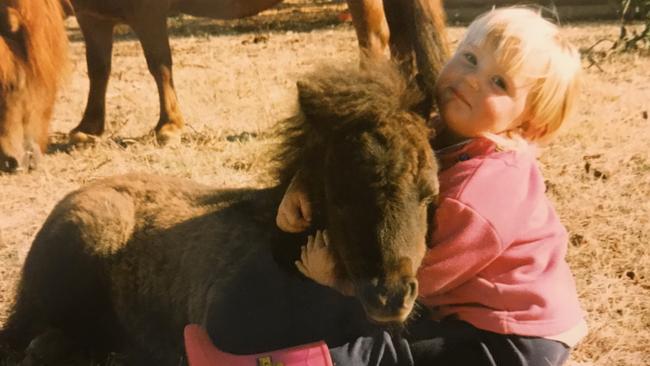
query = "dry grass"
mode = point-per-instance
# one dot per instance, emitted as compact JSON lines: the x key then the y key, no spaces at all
{"x":236,"y":79}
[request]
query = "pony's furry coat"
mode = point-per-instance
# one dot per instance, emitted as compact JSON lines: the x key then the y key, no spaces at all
{"x":124,"y":263}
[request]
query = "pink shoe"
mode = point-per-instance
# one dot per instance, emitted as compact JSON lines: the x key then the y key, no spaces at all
{"x":201,"y":352}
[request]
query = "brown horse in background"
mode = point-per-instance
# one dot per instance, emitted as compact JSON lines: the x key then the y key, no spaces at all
{"x":375,"y":22}
{"x":33,"y":62}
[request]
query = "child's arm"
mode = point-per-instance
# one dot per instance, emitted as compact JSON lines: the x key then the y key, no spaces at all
{"x":294,"y":212}
{"x":316,"y":262}
{"x":464,"y":243}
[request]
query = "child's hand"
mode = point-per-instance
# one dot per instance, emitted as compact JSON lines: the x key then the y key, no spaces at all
{"x":316,"y":261}
{"x":294,"y":212}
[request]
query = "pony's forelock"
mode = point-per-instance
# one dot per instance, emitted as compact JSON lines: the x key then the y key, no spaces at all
{"x":337,"y":98}
{"x":39,"y":48}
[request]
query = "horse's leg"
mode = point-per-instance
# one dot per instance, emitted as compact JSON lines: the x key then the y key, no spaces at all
{"x":371,"y":27}
{"x":152,"y":31}
{"x":53,"y":347}
{"x":98,"y":34}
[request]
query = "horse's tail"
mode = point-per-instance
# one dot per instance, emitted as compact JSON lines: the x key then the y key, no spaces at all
{"x":430,"y":43}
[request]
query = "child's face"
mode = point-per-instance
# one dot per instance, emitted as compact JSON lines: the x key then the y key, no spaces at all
{"x":475,"y":95}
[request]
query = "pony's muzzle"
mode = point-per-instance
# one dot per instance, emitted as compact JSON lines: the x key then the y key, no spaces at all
{"x":26,"y":159}
{"x":389,"y":302}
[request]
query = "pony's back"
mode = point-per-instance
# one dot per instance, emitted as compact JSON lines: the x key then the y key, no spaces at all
{"x":138,"y":257}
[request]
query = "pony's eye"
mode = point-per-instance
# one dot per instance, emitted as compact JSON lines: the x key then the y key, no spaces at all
{"x":499,"y":82}
{"x":470,"y":57}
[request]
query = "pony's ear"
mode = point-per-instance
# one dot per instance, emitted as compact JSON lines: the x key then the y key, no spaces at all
{"x":317,"y":105}
{"x":10,"y":21}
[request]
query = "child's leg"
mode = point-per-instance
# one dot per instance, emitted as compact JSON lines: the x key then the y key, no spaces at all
{"x":453,"y":342}
{"x":539,"y":351}
{"x":445,"y":343}
{"x":379,"y":349}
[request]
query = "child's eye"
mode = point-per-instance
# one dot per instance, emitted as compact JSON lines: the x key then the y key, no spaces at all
{"x":500,"y":82}
{"x":470,"y":57}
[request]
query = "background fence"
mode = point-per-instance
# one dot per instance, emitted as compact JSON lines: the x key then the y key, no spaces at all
{"x":462,"y":11}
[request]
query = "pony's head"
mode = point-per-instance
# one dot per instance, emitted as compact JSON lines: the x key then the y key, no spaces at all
{"x":33,"y":56}
{"x":364,"y":156}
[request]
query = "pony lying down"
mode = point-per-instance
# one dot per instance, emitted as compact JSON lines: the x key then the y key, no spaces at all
{"x":124,"y":263}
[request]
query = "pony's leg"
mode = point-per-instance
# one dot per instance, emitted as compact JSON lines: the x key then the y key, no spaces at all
{"x":152,"y":32}
{"x":98,"y":34}
{"x":52,"y":347}
{"x":371,"y":27}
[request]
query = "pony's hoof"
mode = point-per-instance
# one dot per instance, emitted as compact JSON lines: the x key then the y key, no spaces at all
{"x":51,"y":347}
{"x":82,"y":138}
{"x":169,"y":135}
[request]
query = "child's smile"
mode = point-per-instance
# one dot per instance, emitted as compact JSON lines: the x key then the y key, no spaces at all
{"x":476,"y":96}
{"x":453,"y":93}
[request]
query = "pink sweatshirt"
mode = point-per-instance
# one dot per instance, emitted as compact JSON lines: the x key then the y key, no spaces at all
{"x":497,"y":259}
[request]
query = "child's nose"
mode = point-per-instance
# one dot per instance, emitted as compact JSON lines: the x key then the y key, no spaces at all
{"x":472,"y":81}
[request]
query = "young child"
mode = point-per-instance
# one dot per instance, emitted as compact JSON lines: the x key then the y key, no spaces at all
{"x":496,"y":277}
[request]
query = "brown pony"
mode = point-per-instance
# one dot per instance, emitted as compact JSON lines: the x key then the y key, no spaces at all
{"x":124,"y":263}
{"x":97,"y":18}
{"x":33,"y":59}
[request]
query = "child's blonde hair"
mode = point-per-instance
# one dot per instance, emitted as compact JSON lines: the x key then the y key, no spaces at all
{"x":528,"y":45}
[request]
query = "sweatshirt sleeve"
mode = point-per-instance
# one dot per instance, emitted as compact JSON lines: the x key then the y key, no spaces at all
{"x":464,"y":243}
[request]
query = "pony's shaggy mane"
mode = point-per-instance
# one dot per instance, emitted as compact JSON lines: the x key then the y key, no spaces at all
{"x":334,"y":98}
{"x":38,"y":48}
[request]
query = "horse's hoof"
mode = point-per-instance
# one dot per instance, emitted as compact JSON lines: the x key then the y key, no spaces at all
{"x":82,"y":138}
{"x":169,"y":135}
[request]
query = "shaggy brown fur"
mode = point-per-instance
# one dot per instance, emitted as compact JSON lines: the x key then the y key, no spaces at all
{"x":97,"y":18}
{"x":124,"y":263}
{"x":33,"y":62}
{"x":363,"y":154}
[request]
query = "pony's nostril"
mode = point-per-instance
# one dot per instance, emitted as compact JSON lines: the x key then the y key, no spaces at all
{"x":9,"y":164}
{"x":382,"y":300}
{"x":404,"y":297}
